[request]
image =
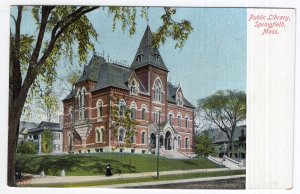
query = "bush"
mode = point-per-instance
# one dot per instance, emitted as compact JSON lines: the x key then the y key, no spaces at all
{"x":27,"y":147}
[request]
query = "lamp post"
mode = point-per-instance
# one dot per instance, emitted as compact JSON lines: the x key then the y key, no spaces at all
{"x":158,"y":144}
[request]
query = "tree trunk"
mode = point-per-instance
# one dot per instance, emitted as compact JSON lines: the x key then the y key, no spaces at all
{"x":12,"y":144}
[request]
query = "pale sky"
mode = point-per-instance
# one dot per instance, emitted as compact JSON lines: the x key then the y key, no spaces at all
{"x":213,"y":58}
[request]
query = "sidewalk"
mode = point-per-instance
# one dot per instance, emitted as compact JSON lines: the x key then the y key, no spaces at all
{"x":141,"y":184}
{"x":36,"y":180}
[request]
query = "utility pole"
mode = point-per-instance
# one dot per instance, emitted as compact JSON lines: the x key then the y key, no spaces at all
{"x":158,"y":144}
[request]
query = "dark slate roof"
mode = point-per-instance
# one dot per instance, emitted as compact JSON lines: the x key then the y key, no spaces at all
{"x":148,"y":53}
{"x":46,"y":126}
{"x":111,"y":74}
{"x":219,"y":136}
{"x":172,"y":96}
{"x":90,"y":71}
{"x":24,"y":126}
{"x":70,"y":95}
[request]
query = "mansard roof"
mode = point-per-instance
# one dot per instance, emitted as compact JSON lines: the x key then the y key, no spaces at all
{"x":172,"y":96}
{"x":148,"y":53}
{"x":90,"y":71}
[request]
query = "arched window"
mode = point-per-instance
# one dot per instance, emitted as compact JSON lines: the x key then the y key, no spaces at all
{"x":133,"y":139}
{"x":99,"y":135}
{"x":157,"y":90}
{"x":143,"y":137}
{"x":144,"y":108}
{"x":79,"y":99}
{"x":156,"y":116}
{"x":70,"y":140}
{"x":133,"y":110}
{"x":99,"y":108}
{"x":83,"y":98}
{"x":121,"y":135}
{"x":133,"y":87}
{"x":187,"y":142}
{"x":179,"y":119}
{"x":71,"y":113}
{"x":170,"y":117}
{"x":122,"y":107}
{"x":179,"y":99}
{"x":179,"y":142}
{"x":187,"y":121}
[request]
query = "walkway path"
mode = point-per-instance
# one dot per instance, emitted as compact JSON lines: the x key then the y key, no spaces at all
{"x":36,"y":180}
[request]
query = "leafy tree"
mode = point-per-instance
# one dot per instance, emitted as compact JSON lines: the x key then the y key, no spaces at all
{"x":204,"y":145}
{"x":33,"y":58}
{"x":47,"y":142}
{"x":225,"y":109}
{"x":27,"y":147}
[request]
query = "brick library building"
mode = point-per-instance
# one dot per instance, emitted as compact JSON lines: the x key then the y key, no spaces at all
{"x":156,"y":106}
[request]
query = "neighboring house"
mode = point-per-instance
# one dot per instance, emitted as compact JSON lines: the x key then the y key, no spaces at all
{"x":35,"y":134}
{"x":222,"y":143}
{"x":144,"y":88}
{"x":23,"y":130}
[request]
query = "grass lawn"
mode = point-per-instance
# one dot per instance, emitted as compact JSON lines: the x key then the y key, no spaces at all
{"x":94,"y":164}
{"x":146,"y":179}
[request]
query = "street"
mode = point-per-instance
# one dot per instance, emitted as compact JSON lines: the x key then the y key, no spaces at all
{"x":236,"y":183}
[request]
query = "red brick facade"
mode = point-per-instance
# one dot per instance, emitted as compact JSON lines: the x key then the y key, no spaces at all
{"x":92,"y":130}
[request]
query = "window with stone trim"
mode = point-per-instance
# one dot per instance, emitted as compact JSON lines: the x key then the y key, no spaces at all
{"x":187,"y":142}
{"x":99,"y":135}
{"x":143,"y":137}
{"x":99,"y":108}
{"x":157,"y":90}
{"x":121,"y":135}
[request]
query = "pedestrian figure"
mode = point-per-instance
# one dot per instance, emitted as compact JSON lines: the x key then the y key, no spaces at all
{"x":224,"y":157}
{"x":108,"y":170}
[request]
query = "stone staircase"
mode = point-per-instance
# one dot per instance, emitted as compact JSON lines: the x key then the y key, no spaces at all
{"x":173,"y":154}
{"x":228,"y":163}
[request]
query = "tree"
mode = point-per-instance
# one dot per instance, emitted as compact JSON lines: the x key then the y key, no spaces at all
{"x":27,"y":147}
{"x":33,"y":58}
{"x":225,"y":109}
{"x":204,"y":145}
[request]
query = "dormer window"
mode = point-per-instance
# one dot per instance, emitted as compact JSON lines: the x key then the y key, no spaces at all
{"x":179,"y":100}
{"x":156,"y":58}
{"x":133,"y":87}
{"x":139,"y":58}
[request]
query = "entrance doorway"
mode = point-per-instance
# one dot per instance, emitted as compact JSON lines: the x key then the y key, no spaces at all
{"x":168,"y":140}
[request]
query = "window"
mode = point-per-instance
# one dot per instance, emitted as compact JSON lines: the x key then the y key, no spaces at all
{"x":56,"y":147}
{"x":79,"y":98}
{"x":121,"y":135}
{"x":179,"y":120}
{"x":156,"y":117}
{"x":70,"y":140}
{"x":99,"y":135}
{"x":132,"y":139}
{"x":143,"y":113}
{"x":179,"y":142}
{"x":71,"y":113}
{"x":179,"y":99}
{"x":122,"y":107}
{"x":187,"y":121}
{"x":99,"y":108}
{"x":139,"y":58}
{"x":170,"y":118}
{"x":133,"y":87}
{"x":132,"y":110}
{"x":83,"y":97}
{"x":56,"y":136}
{"x":143,"y":137}
{"x":157,"y":58}
{"x":187,"y":142}
{"x":157,"y":90}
